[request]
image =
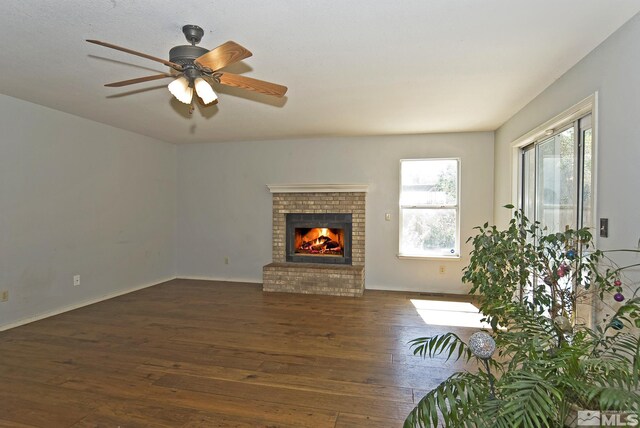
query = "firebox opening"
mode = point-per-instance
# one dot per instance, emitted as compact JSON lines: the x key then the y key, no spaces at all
{"x":319,"y":241}
{"x":318,"y":238}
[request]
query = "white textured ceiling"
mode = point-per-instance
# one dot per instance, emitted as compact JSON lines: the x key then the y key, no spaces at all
{"x":353,"y":67}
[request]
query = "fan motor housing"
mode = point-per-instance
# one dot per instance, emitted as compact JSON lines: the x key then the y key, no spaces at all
{"x":186,"y":54}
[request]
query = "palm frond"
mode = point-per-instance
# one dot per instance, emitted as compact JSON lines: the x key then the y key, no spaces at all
{"x":612,"y":398}
{"x":529,"y":400}
{"x":456,"y":402}
{"x":448,"y":343}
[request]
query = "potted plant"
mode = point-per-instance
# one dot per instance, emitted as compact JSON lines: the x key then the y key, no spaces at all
{"x":539,"y":363}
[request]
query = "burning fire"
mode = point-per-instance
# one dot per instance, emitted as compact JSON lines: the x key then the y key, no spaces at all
{"x":321,"y":241}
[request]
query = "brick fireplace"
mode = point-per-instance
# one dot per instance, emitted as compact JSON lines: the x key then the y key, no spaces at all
{"x":318,"y":239}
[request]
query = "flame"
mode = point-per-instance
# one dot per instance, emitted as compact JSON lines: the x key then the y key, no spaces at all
{"x":321,"y":232}
{"x":318,"y":237}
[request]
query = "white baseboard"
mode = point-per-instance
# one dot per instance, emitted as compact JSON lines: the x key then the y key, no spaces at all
{"x":210,"y":278}
{"x":463,"y":290}
{"x":68,"y":308}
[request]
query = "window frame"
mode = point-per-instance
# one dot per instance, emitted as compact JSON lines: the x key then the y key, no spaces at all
{"x":456,"y":207}
{"x":578,"y":164}
{"x":583,"y":108}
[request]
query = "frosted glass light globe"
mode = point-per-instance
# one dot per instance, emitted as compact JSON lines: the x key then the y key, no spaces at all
{"x":205,"y":91}
{"x":180,"y":89}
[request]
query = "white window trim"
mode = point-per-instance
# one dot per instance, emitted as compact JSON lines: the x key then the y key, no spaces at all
{"x":584,"y":107}
{"x":452,"y":257}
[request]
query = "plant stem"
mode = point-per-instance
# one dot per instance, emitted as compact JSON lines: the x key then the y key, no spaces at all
{"x":492,"y":389}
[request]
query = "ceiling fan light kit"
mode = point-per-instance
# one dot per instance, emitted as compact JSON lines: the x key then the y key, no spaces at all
{"x":205,"y":91}
{"x":198,"y":67}
{"x":180,"y":89}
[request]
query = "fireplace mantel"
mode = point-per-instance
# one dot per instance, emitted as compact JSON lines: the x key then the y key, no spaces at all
{"x":317,"y":188}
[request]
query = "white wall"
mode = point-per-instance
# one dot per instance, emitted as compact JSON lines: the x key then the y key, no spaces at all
{"x":79,"y":197}
{"x":224,"y":207}
{"x":613,"y":70}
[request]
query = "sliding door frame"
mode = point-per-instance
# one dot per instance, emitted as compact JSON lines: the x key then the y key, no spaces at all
{"x":587,"y":310}
{"x":548,"y":128}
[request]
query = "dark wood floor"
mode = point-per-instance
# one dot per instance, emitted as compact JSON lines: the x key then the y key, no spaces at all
{"x":215,"y":354}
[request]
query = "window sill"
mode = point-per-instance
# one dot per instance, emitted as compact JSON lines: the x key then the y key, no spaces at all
{"x":453,"y":258}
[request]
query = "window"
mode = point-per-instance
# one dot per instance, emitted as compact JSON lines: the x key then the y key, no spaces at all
{"x":429,"y":210}
{"x":557,"y":177}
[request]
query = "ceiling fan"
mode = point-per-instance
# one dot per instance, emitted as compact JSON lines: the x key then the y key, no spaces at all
{"x":195,"y":68}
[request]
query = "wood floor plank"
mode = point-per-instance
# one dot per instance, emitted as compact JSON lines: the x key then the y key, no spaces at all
{"x":294,"y":382}
{"x":11,"y":424}
{"x":189,"y":353}
{"x":271,"y":414}
{"x":41,"y":406}
{"x":135,"y":416}
{"x":282,"y":395}
{"x":223,"y":421}
{"x":404,"y":376}
{"x":299,"y":346}
{"x":348,"y":420}
{"x":261,"y":355}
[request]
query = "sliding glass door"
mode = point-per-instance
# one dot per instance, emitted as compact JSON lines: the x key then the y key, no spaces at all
{"x":556,"y":180}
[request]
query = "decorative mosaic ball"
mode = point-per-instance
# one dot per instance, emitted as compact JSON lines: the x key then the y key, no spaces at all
{"x":618,"y":297}
{"x":482,"y":345}
{"x":616,"y":324}
{"x":617,"y":283}
{"x":571,"y":254}
{"x":560,"y":272}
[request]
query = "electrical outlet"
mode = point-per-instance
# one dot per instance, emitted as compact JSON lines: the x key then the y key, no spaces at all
{"x":226,"y":260}
{"x":4,"y":296}
{"x":442,"y":269}
{"x":76,"y":280}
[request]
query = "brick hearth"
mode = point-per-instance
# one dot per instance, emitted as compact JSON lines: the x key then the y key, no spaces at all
{"x":315,"y":278}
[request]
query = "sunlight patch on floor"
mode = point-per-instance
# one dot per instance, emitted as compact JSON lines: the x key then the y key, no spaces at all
{"x":454,"y":314}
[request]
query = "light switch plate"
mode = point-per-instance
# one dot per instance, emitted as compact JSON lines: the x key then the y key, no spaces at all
{"x":604,"y":227}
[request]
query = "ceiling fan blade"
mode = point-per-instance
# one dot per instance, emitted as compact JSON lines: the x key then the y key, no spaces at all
{"x":138,"y":80}
{"x":129,"y":51}
{"x":222,"y":56}
{"x":251,"y":84}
